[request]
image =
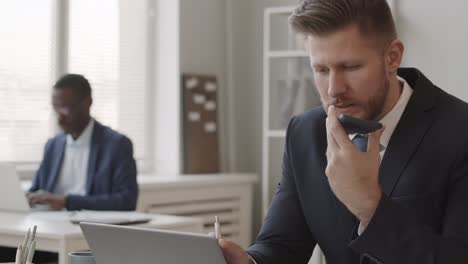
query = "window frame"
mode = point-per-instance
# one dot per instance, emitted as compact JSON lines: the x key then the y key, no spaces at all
{"x":59,"y":61}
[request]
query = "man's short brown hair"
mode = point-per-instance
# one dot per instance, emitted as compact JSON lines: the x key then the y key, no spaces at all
{"x":322,"y":17}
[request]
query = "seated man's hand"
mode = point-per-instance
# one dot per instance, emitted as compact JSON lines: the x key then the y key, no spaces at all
{"x":233,"y":253}
{"x":55,"y":202}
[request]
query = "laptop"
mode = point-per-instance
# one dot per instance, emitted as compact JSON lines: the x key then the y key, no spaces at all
{"x":124,"y":244}
{"x":12,"y":196}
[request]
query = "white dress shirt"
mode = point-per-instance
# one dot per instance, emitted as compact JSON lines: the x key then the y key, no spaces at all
{"x":391,"y":119}
{"x":74,"y":170}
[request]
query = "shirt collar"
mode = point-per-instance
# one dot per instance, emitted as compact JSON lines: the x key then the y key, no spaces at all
{"x":84,"y":139}
{"x":391,"y":119}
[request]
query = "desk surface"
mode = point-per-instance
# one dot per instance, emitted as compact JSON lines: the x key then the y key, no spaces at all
{"x":56,"y":225}
{"x":56,"y":233}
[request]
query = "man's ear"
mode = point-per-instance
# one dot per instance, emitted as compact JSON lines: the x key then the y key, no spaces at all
{"x":89,"y":101}
{"x":394,"y":55}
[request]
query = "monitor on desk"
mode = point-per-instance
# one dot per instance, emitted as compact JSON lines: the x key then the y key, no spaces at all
{"x":12,"y":196}
{"x":123,"y":245}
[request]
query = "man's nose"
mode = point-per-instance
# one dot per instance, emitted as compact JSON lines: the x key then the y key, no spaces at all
{"x":336,"y":84}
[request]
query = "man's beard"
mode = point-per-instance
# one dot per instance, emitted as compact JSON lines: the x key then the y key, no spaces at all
{"x":375,"y":105}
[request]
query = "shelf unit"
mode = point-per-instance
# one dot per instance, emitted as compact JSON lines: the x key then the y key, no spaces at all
{"x":286,"y":68}
{"x":287,"y":54}
{"x":280,"y":133}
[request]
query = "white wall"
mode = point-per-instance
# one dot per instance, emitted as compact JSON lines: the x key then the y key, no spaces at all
{"x":246,"y":29}
{"x":224,"y":37}
{"x":243,"y":95}
{"x":167,"y":82}
{"x":435,"y":34}
{"x":203,"y":51}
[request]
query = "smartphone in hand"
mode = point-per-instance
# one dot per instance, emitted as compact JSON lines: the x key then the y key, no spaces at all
{"x":354,"y":125}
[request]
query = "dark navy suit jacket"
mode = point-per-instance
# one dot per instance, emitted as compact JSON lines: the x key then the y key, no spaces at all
{"x":423,"y":214}
{"x":111,"y":182}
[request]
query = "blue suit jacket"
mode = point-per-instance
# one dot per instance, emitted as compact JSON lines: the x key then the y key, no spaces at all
{"x":423,"y":214}
{"x":111,"y":183}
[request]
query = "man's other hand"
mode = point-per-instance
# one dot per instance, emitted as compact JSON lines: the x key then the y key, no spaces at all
{"x":233,"y":253}
{"x":55,"y":202}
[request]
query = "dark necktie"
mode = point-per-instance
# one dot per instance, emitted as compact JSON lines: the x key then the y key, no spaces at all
{"x":360,"y":141}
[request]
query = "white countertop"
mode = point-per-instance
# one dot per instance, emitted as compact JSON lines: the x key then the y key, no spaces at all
{"x":164,"y":181}
{"x":152,"y":181}
{"x":56,"y":225}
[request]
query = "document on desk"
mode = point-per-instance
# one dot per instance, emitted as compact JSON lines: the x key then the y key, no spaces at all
{"x":109,"y":217}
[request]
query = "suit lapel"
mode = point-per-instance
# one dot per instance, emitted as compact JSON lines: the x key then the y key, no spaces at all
{"x":93,"y":156}
{"x":409,"y":133}
{"x":59,"y":151}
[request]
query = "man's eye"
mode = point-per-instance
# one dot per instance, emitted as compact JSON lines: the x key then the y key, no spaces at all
{"x":352,"y":67}
{"x":320,"y":70}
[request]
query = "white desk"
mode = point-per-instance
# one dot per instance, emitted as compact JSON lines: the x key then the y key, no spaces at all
{"x":227,"y":195}
{"x":56,"y":234}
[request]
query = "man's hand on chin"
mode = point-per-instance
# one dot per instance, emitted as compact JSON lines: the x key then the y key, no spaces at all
{"x":352,"y":174}
{"x":55,"y":202}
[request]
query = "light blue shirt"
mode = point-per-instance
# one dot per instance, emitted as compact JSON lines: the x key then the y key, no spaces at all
{"x":74,"y":170}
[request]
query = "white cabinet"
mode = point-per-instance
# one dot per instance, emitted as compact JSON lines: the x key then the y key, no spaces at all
{"x":288,"y":89}
{"x":229,"y":196}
